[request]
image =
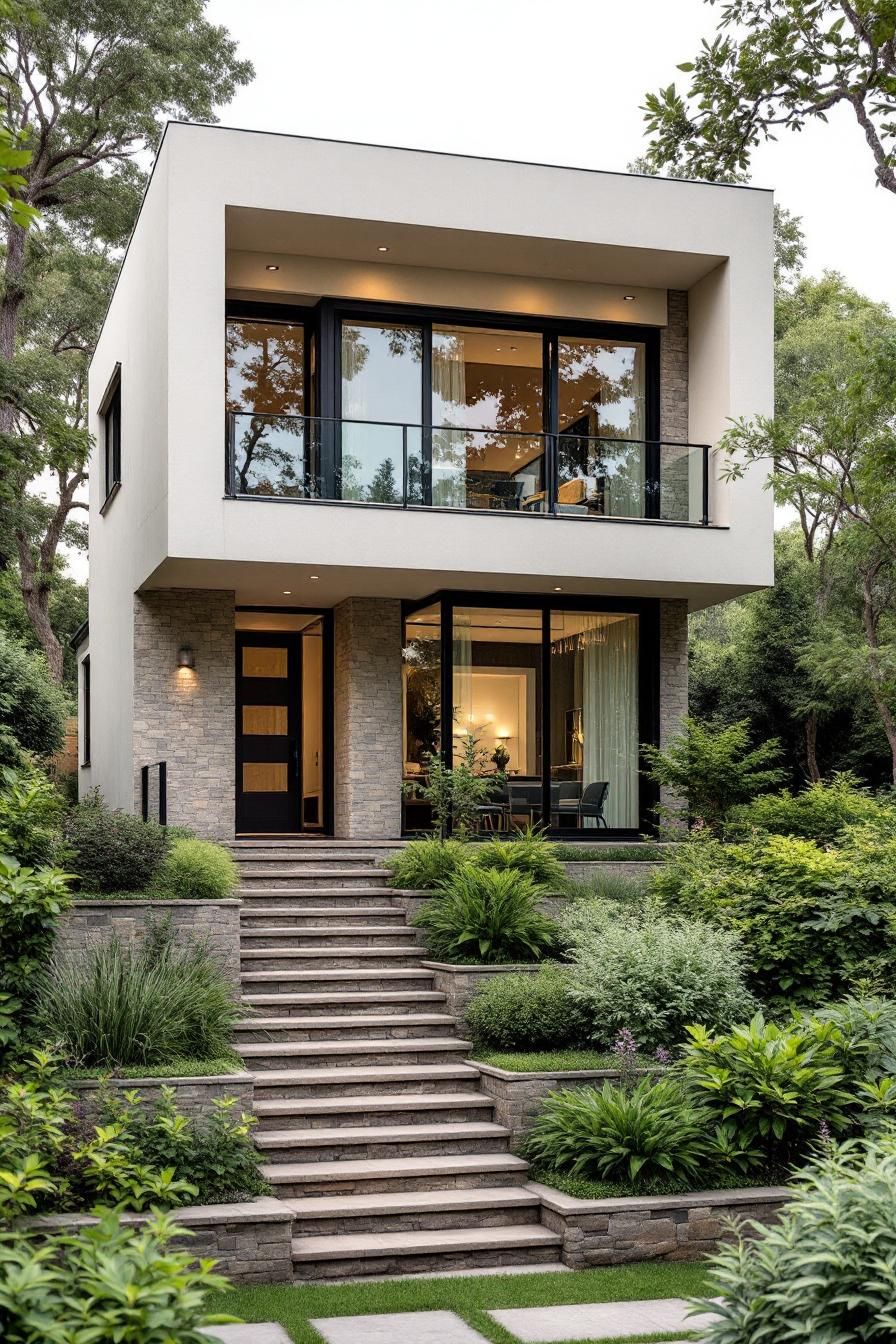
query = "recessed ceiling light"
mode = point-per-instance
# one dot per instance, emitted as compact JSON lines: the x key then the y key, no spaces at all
{"x":287,"y":592}
{"x":497,"y":347}
{"x":271,"y":266}
{"x":382,"y":248}
{"x":558,"y":590}
{"x":514,"y":347}
{"x":314,"y":577}
{"x":628,"y":298}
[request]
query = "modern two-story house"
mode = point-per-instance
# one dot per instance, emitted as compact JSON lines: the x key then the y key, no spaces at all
{"x":403,"y":454}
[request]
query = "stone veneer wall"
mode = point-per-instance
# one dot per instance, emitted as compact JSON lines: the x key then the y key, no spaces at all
{"x":215,"y":923}
{"x":519,"y":1097}
{"x":674,"y":368}
{"x":673,"y":677}
{"x":460,"y":984}
{"x":182,"y":716}
{"x":194,"y":1097}
{"x":368,"y":728}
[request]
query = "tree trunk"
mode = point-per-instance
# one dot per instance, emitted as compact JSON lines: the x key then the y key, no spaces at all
{"x":810,"y":735}
{"x":10,"y":303}
{"x":36,"y":594}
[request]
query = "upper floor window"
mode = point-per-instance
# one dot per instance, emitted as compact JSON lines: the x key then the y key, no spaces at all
{"x":265,"y":388}
{"x":110,"y":413}
{"x":85,"y":709}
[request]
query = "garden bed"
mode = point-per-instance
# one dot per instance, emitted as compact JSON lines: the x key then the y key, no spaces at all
{"x":652,"y":1227}
{"x":518,"y":1096}
{"x":212,"y":922}
{"x":459,"y":983}
{"x":194,"y":1095}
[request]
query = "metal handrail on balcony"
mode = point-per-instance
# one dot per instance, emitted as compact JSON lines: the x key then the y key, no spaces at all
{"x":454,"y":467}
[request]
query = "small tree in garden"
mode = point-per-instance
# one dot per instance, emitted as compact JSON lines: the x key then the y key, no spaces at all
{"x":714,"y":768}
{"x":455,"y":794}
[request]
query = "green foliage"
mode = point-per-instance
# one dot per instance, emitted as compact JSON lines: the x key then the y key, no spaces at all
{"x":124,"y":1006}
{"x":625,"y":892}
{"x":651,"y":1132}
{"x":196,"y":870}
{"x":606,"y":853}
{"x":456,"y":793}
{"x":33,"y":711}
{"x":821,"y":812}
{"x":527,"y":1011}
{"x":113,"y":851}
{"x":31,"y":811}
{"x":528,"y":852}
{"x":485,"y":915}
{"x":30,"y":905}
{"x":650,"y":974}
{"x":774,"y":1085}
{"x":424,"y":865}
{"x":714,"y":768}
{"x":865,"y":1036}
{"x":826,"y":1270}
{"x":104,"y":1282}
{"x":812,"y":922}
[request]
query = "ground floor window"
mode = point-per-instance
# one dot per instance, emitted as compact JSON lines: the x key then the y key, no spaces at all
{"x":557,"y":701}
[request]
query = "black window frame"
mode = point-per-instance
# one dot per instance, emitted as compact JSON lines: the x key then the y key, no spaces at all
{"x":85,"y":710}
{"x":110,"y":415}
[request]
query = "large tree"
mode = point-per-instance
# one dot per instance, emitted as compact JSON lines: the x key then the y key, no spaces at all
{"x":86,"y":87}
{"x":775,"y":65}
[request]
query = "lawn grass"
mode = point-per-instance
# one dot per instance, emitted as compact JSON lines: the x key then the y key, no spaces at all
{"x":581,"y":1187}
{"x":553,"y":1061}
{"x":642,"y":853}
{"x":173,"y":1068}
{"x":148,"y":894}
{"x":471,"y":1298}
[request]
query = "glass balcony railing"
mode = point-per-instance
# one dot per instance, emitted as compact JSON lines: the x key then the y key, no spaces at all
{"x":444,"y":467}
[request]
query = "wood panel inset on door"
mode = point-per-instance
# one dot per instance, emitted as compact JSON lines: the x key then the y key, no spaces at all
{"x":269,"y":732}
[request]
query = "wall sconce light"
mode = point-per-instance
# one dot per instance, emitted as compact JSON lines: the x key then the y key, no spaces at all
{"x":186,"y":657}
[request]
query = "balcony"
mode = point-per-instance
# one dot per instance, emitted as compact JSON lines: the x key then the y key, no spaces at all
{"x":303,"y":458}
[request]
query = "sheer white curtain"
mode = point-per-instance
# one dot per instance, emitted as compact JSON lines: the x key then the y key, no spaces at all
{"x":610,"y":720}
{"x":462,"y":688}
{"x":449,"y":401}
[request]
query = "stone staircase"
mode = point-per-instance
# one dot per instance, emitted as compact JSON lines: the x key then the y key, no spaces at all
{"x":373,"y":1127}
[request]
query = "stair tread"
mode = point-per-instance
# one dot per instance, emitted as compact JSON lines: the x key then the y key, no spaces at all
{"x":322,"y":911}
{"x":283,"y":1173}
{"x":279,"y":892}
{"x":410,"y":951}
{"x":374,"y":1073}
{"x":329,"y":931}
{"x":415,"y":1201}
{"x":349,"y":1245}
{"x":347,"y":1022}
{"x":373,"y":1047}
{"x":398,"y":1101}
{"x":247,"y":871}
{"x":343,"y":973}
{"x":352,"y":1000}
{"x":361,"y":1134}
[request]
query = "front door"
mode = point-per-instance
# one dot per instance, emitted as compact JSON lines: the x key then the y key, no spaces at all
{"x":268,"y":732}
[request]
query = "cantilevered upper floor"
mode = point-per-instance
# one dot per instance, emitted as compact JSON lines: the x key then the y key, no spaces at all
{"x":406,"y":371}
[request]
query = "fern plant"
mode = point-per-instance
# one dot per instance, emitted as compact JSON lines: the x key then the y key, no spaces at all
{"x":485,"y":915}
{"x":528,"y":852}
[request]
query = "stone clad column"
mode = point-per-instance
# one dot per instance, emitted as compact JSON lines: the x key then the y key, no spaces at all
{"x":367,"y":766}
{"x":673,"y":677}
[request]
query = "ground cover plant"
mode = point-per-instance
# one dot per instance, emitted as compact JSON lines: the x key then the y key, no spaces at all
{"x":607,"y":852}
{"x":486,"y":915}
{"x":556,"y":1061}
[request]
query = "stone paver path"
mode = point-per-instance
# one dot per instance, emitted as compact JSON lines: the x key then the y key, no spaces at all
{"x":406,"y":1327}
{"x":599,"y":1320}
{"x":247,"y":1334}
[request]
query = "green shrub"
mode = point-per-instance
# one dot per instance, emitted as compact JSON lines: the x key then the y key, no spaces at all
{"x":527,"y":1011}
{"x":485,"y":915}
{"x":104,"y":1282}
{"x":121,"y":1006}
{"x":655,"y":1131}
{"x":529,"y":852}
{"x":424,"y":865}
{"x":825,"y":1270}
{"x":30,"y":905}
{"x":642,"y":852}
{"x":774,"y":1085}
{"x":813,"y":922}
{"x":820,"y":812}
{"x":649,"y":974}
{"x":31,"y":811}
{"x":196,"y":870}
{"x":33,"y":709}
{"x":714,"y":769}
{"x":113,"y":851}
{"x":868,"y":1031}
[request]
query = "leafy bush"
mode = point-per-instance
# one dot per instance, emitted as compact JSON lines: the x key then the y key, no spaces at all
{"x":113,"y":851}
{"x":33,"y":709}
{"x":867,"y":1050}
{"x":825,"y":1270}
{"x":650,"y":974}
{"x":484,"y":915}
{"x":812,"y":922}
{"x":655,"y":1131}
{"x":714,"y":768}
{"x":775,"y":1085}
{"x":104,"y":1282}
{"x":196,"y":870}
{"x":123,"y":1006}
{"x":527,"y":1011}
{"x":30,"y":905}
{"x":529,"y":852}
{"x":821,"y":812}
{"x":424,"y":865}
{"x":455,"y":793}
{"x":31,"y":812}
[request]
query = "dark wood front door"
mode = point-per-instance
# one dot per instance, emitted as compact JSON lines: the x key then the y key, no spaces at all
{"x":268,"y":732}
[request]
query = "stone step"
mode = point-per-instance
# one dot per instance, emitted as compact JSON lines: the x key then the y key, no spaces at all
{"x":326,"y":958}
{"x":298,"y":1180}
{"x":382,"y":1141}
{"x":324,"y":857}
{"x":303,"y":876}
{"x":353,"y":981}
{"x":335,"y":916}
{"x":349,"y":1254}
{"x":364,"y":935}
{"x":337,"y":1004}
{"x":421,"y":1080}
{"x":343,"y":1028}
{"x":302,"y":898}
{"x":417,"y":1210}
{"x":318,"y":1054}
{"x":393,"y":1108}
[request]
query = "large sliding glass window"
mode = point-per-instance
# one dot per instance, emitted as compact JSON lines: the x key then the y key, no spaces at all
{"x":488,"y":418}
{"x":265,"y":389}
{"x":421,"y":682}
{"x":382,"y":387}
